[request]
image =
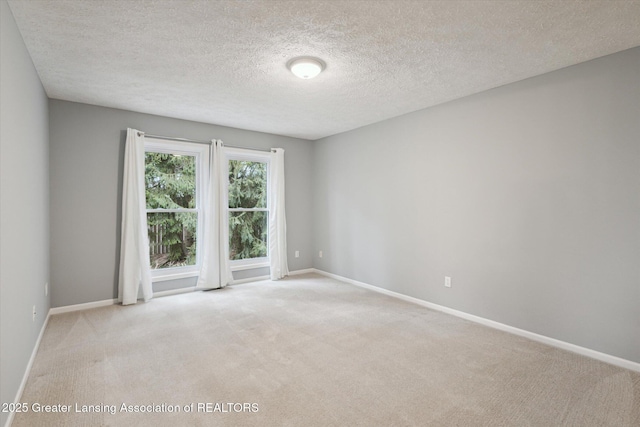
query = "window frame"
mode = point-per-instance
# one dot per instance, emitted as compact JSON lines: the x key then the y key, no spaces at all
{"x":249,"y":156}
{"x":201,"y":154}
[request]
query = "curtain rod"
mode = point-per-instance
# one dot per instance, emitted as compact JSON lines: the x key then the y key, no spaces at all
{"x":170,"y":138}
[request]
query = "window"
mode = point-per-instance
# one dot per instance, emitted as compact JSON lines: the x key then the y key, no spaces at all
{"x":174,"y":174}
{"x":248,"y":209}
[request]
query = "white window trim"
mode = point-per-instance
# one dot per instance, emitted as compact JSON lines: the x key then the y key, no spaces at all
{"x":251,"y":156}
{"x":201,"y":154}
{"x":172,"y":274}
{"x":249,"y":264}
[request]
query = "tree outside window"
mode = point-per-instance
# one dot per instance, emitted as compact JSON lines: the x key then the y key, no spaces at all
{"x":172,"y":218}
{"x":248,"y":213}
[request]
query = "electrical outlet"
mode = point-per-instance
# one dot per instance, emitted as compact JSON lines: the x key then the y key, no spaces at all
{"x":447,"y":281}
{"x":46,"y":289}
{"x":297,"y":254}
{"x":34,"y":313}
{"x":320,"y":254}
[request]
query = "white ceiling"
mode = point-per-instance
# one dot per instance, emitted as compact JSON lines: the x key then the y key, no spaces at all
{"x":224,"y":62}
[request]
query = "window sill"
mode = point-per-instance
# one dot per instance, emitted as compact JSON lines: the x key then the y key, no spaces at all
{"x":251,"y":266}
{"x":162,"y":277}
{"x":173,"y":276}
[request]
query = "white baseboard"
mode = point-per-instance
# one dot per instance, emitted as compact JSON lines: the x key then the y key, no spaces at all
{"x":104,"y":303}
{"x":304,"y":271}
{"x":250,"y":279}
{"x":107,"y":302}
{"x":603,"y":357}
{"x":27,"y":371}
{"x":84,"y":306}
{"x":259,"y":278}
{"x":174,"y":292}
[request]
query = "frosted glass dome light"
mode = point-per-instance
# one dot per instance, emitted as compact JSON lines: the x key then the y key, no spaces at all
{"x":306,"y":68}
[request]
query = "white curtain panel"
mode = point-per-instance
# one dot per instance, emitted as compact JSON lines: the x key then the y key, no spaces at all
{"x":216,"y":270}
{"x":277,"y":217}
{"x":135,"y":272}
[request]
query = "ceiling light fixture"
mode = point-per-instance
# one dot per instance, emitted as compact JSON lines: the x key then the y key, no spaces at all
{"x":306,"y":68}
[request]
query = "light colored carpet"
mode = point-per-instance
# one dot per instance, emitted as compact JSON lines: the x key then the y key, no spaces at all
{"x":311,"y":351}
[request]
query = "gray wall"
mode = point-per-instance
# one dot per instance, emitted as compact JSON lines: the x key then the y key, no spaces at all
{"x":527,"y":195}
{"x":86,"y":161}
{"x":24,"y":207}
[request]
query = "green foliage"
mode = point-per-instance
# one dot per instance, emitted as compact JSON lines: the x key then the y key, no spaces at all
{"x":170,"y":184}
{"x":170,"y":181}
{"x":247,"y":184}
{"x":247,"y":189}
{"x":247,"y":235}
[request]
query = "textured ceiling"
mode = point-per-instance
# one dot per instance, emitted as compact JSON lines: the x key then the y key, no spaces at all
{"x":224,"y":62}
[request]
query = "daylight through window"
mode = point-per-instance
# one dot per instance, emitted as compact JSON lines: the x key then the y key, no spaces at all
{"x":172,"y":201}
{"x":248,"y":210}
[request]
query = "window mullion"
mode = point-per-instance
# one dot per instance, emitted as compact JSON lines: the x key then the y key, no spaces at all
{"x":179,"y":210}
{"x":248,"y":210}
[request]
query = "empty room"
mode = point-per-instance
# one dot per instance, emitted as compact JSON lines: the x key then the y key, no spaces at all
{"x":319,"y":213}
